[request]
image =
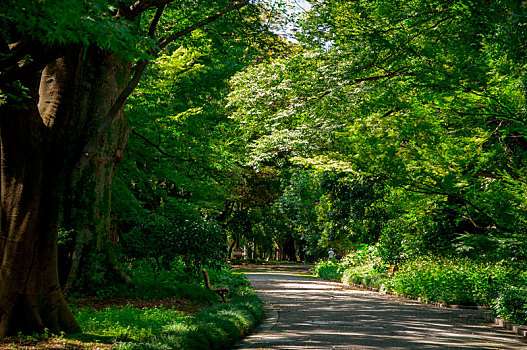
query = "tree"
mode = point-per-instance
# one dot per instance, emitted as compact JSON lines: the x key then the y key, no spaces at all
{"x":426,"y":96}
{"x":65,"y":75}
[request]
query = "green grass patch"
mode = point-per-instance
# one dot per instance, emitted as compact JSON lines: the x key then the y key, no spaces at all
{"x":127,"y":323}
{"x":218,"y":327}
{"x":163,"y":327}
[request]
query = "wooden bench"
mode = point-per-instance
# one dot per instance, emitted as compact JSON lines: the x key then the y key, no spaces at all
{"x":237,"y":253}
{"x":392,"y":269}
{"x":220,"y":291}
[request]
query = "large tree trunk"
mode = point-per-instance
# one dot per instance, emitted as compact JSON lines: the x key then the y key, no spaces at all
{"x":32,"y":164}
{"x":88,"y":261}
{"x":41,"y":160}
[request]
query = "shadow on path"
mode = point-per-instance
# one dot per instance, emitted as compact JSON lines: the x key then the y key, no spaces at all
{"x":305,"y":313}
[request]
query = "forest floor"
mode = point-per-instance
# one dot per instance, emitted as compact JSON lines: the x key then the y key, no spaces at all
{"x":76,"y":342}
{"x":307,"y":313}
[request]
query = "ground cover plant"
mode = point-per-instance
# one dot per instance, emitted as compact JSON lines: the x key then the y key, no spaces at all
{"x":158,"y":310}
{"x":213,"y":328}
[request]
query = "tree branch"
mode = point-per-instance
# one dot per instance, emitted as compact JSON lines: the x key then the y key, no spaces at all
{"x":142,"y":64}
{"x":155,"y":21}
{"x":203,"y":23}
{"x":155,"y":146}
{"x":140,"y":6}
{"x":514,"y":116}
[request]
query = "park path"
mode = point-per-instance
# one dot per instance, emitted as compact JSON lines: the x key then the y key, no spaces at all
{"x":307,"y":313}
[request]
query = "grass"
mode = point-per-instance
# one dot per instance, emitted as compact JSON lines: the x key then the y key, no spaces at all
{"x":157,"y":311}
{"x":218,"y":327}
{"x":127,"y":323}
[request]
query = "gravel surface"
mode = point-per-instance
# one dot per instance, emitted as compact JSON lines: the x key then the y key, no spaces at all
{"x":307,"y":313}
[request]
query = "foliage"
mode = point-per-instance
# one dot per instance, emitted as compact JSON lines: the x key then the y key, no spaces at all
{"x":214,"y":328}
{"x":511,"y":304}
{"x":416,"y":109}
{"x":328,"y":269}
{"x":194,"y":240}
{"x":456,"y":281}
{"x":364,"y":266}
{"x":182,"y":164}
{"x":65,"y":22}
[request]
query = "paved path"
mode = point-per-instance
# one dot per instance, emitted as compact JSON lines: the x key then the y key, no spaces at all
{"x":306,"y":313}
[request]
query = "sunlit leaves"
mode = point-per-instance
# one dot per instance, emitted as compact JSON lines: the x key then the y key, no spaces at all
{"x":428,"y":96}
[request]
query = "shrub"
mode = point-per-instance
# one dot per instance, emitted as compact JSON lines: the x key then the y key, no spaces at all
{"x":366,"y":275}
{"x":328,"y":269}
{"x":511,"y":304}
{"x":175,"y":231}
{"x":455,"y":280}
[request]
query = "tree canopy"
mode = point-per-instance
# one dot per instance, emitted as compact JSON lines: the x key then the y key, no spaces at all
{"x":181,"y":130}
{"x":425,"y":98}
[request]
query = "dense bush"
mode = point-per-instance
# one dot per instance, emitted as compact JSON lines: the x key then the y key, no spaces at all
{"x":454,"y":281}
{"x":328,"y":269}
{"x":356,"y":267}
{"x":365,"y":266}
{"x":511,"y":304}
{"x":163,"y":239}
{"x":366,"y":275}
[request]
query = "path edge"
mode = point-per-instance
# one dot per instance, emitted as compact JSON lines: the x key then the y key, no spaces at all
{"x":489,"y":317}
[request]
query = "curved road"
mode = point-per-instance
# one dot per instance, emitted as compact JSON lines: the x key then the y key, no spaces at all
{"x":307,"y":313}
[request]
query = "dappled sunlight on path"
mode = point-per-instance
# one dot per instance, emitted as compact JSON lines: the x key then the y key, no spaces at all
{"x":307,"y":313}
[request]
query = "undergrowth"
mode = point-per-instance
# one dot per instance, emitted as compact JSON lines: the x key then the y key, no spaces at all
{"x":217,"y":326}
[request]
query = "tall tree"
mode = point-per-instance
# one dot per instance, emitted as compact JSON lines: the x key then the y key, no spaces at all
{"x":428,"y":97}
{"x":66,"y":70}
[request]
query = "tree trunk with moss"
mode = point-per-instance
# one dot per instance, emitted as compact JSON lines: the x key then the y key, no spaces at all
{"x":87,"y":259}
